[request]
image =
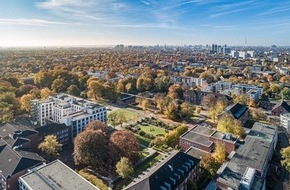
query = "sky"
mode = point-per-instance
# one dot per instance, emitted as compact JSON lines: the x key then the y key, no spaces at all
{"x":144,"y":22}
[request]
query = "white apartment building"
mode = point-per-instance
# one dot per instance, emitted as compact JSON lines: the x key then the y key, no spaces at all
{"x":190,"y":81}
{"x":67,"y":109}
{"x":285,"y":121}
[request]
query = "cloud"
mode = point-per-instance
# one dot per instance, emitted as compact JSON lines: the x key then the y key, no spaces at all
{"x":28,"y":21}
{"x":146,"y":3}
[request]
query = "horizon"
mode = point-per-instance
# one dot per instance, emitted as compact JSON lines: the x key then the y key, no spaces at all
{"x":63,"y":23}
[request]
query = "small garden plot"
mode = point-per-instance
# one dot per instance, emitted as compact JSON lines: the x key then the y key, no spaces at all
{"x":130,"y":115}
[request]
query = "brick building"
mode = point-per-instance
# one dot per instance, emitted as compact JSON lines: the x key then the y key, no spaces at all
{"x":281,"y":108}
{"x":204,"y":138}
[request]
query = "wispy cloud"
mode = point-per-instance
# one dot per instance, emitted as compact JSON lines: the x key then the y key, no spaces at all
{"x":229,"y":8}
{"x":31,"y":22}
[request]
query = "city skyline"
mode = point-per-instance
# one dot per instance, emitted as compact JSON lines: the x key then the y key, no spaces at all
{"x":144,"y":22}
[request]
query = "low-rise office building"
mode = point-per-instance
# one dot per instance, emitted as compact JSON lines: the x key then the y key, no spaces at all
{"x":248,"y":166}
{"x":204,"y":138}
{"x":55,"y":175}
{"x":61,"y":131}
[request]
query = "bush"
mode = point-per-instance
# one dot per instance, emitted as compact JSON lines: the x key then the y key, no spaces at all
{"x":94,"y":180}
{"x":141,"y":133}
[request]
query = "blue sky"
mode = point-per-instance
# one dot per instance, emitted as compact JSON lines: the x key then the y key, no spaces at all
{"x":144,"y":22}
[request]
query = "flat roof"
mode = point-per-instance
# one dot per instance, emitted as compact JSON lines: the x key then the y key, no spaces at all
{"x":56,"y":175}
{"x":202,"y":130}
{"x":197,"y":138}
{"x":196,"y":153}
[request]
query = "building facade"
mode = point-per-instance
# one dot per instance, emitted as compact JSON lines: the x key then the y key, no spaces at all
{"x":67,"y":109}
{"x":285,"y":121}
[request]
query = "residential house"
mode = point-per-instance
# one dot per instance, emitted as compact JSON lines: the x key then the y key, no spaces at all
{"x":17,"y":135}
{"x":281,"y":108}
{"x":14,"y":162}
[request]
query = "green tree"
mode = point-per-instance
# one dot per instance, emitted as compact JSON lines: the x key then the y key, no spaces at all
{"x":285,"y":154}
{"x":113,"y":119}
{"x":124,"y":167}
{"x":121,"y":118}
{"x":73,"y":90}
{"x":50,"y":146}
{"x":286,"y":93}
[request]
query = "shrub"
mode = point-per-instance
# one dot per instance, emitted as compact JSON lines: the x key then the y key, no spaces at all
{"x":141,"y":133}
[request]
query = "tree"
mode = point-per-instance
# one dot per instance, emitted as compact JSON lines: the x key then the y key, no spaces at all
{"x":45,"y":93}
{"x":171,"y":111}
{"x":50,"y":146}
{"x":219,"y":153}
{"x":91,"y":149}
{"x":286,"y":93}
{"x":59,"y":85}
{"x":198,"y":110}
{"x":186,"y":110}
{"x":113,"y":119}
{"x":145,"y":104}
{"x":285,"y":154}
{"x":73,"y":90}
{"x":209,"y":163}
{"x":95,"y":89}
{"x":125,"y":144}
{"x":175,"y":92}
{"x":217,"y":108}
{"x":25,"y":102}
{"x":241,"y":99}
{"x":6,"y":112}
{"x":121,"y":118}
{"x":97,"y":126}
{"x":124,"y":167}
{"x":228,"y":124}
{"x":172,"y":137}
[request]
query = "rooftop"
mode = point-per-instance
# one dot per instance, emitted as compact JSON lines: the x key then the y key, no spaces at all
{"x":253,"y":154}
{"x":176,"y":166}
{"x":16,"y":160}
{"x":56,"y":175}
{"x":51,"y":128}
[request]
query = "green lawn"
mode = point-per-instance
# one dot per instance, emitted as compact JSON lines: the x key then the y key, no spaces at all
{"x":130,"y":115}
{"x":153,"y":130}
{"x":142,"y":140}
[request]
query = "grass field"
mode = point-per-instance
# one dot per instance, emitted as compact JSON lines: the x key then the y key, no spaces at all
{"x":153,"y":130}
{"x":130,"y":115}
{"x":142,"y":140}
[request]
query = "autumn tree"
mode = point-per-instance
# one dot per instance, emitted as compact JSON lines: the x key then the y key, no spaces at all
{"x":171,"y":111}
{"x":228,"y":124}
{"x":25,"y":102}
{"x":285,"y":154}
{"x":91,"y":149}
{"x":50,"y":146}
{"x":97,"y":126}
{"x":219,"y":153}
{"x":217,"y":108}
{"x":186,"y":110}
{"x":95,"y":89}
{"x":125,"y":144}
{"x":6,"y":112}
{"x":124,"y":167}
{"x":241,"y":99}
{"x":210,"y":165}
{"x":171,"y":138}
{"x":45,"y":93}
